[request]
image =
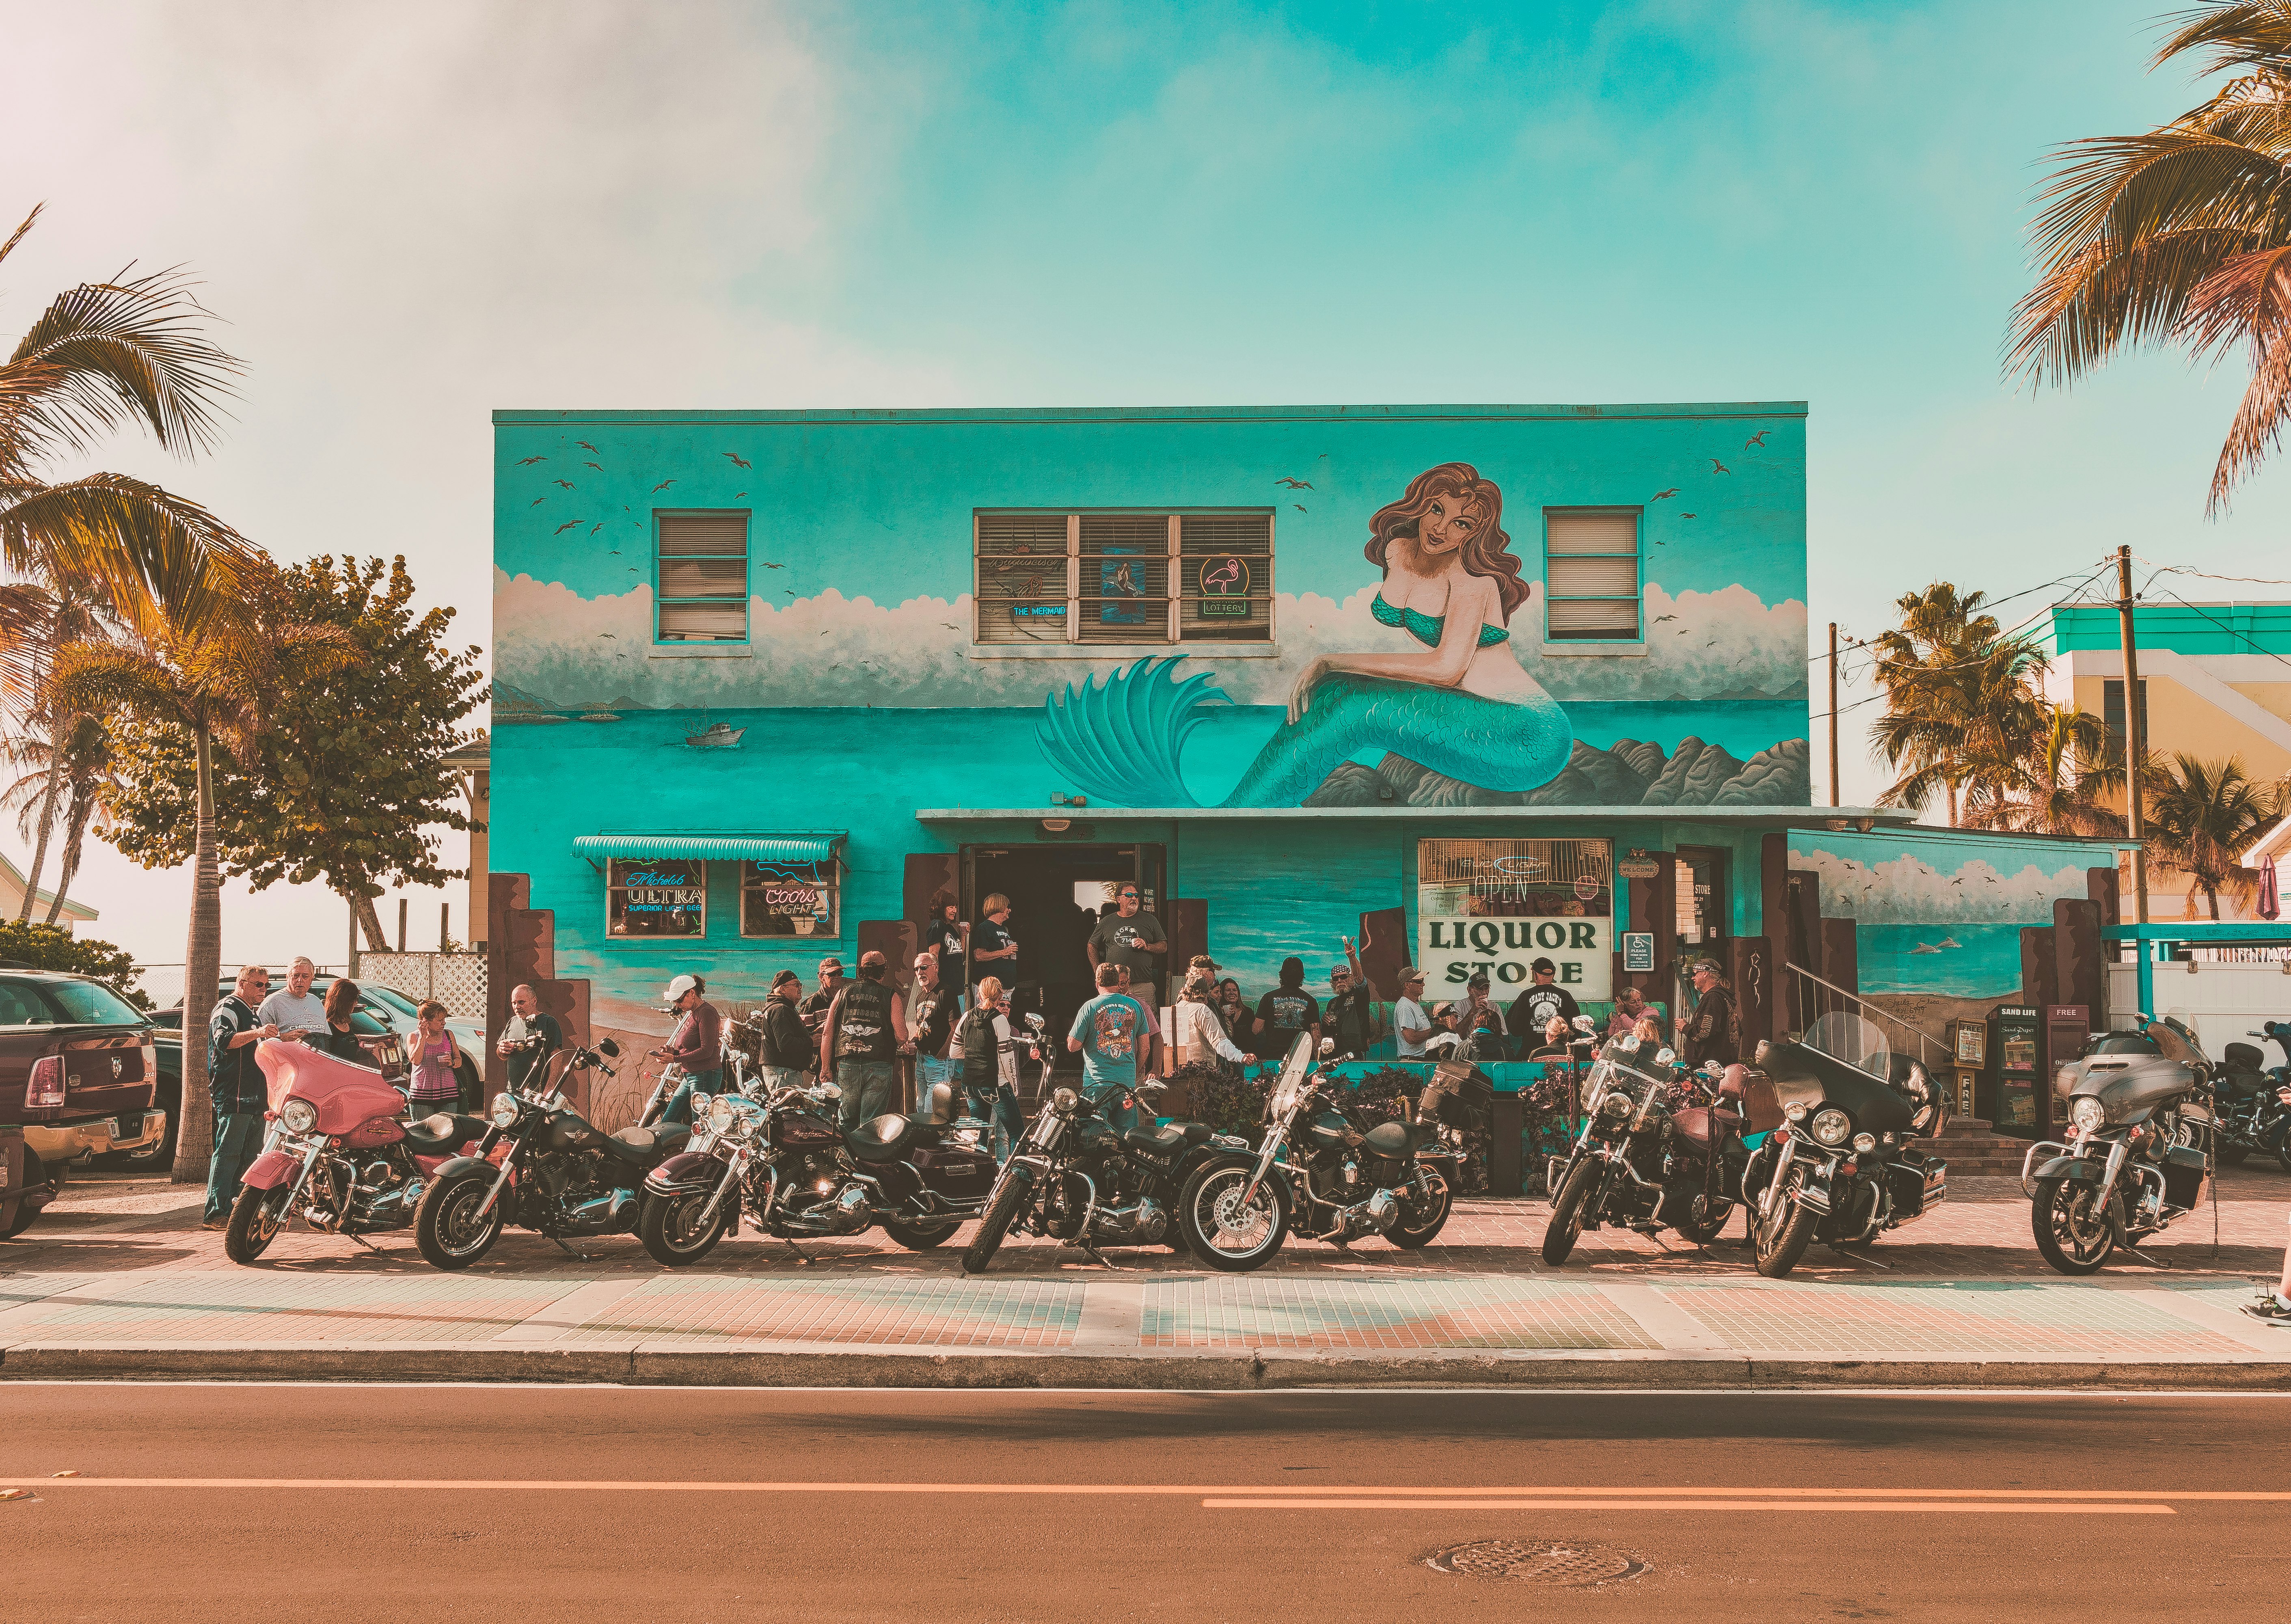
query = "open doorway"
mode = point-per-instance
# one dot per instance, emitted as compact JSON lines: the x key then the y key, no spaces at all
{"x":1056,"y":892}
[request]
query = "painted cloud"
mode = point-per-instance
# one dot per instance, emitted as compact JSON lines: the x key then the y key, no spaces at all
{"x":1907,"y":890}
{"x":569,"y":651}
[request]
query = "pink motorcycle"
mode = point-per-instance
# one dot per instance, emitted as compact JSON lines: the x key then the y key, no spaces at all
{"x":341,"y":1155}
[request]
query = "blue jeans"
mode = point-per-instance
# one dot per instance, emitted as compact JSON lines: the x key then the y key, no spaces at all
{"x":868,"y":1087}
{"x":1109,"y":1098}
{"x":237,"y":1139}
{"x":1007,"y":1122}
{"x":678,"y":1108}
{"x":930,"y":1072}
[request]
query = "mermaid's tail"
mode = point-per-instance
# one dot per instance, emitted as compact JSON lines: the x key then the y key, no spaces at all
{"x":1509,"y":745}
{"x":1121,"y":743}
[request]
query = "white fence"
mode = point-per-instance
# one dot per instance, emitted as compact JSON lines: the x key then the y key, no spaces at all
{"x":456,"y":980}
{"x":2219,"y":1002}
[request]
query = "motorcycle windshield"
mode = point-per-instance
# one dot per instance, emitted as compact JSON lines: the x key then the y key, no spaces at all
{"x":1808,"y":1077}
{"x":1290,"y":1087}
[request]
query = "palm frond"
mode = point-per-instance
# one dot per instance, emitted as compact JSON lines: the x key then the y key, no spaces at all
{"x":2230,"y":37}
{"x":18,"y":235}
{"x":137,"y":547}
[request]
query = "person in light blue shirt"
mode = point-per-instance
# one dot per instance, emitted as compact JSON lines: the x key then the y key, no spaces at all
{"x":1106,"y":1033}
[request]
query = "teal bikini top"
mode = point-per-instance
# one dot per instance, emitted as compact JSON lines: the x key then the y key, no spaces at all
{"x":1425,"y":629}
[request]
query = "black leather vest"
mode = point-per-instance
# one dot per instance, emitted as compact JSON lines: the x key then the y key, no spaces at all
{"x":862,"y":1032}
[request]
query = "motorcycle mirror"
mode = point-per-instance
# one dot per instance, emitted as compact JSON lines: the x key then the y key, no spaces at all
{"x":609,"y":1048}
{"x":1327,"y":1047}
{"x":1584,"y":1023}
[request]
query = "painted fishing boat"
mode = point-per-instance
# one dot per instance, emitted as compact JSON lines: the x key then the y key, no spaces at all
{"x":723,"y":735}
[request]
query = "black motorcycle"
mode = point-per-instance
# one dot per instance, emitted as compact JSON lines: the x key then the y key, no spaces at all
{"x":1660,"y":1147}
{"x":543,"y":1166}
{"x":1344,"y":1175}
{"x":797,"y":1175}
{"x":1840,"y":1169}
{"x":2249,"y":1097}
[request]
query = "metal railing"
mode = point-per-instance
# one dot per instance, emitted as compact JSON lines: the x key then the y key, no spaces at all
{"x":1828,"y":1017}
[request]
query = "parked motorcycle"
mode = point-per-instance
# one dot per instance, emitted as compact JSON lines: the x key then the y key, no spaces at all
{"x":1840,"y":1169}
{"x":1660,"y":1147}
{"x":1344,"y":1175}
{"x":543,"y":1166}
{"x":2249,"y":1117}
{"x":340,"y":1155}
{"x":2138,"y":1151}
{"x":786,"y":1164}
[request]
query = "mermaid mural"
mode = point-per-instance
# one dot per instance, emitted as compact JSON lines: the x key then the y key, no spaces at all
{"x":1460,"y":705}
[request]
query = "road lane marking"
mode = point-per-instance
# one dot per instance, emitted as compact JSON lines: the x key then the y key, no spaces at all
{"x":1258,"y":1494}
{"x":2088,"y":1508}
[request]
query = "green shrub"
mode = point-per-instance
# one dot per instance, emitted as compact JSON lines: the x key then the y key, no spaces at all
{"x":50,"y":947}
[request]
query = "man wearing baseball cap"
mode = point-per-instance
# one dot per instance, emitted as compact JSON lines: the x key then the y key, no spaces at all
{"x":859,"y":1048}
{"x":1531,"y":1010}
{"x":1410,"y":1026}
{"x":1707,"y":1033}
{"x":698,"y":1045}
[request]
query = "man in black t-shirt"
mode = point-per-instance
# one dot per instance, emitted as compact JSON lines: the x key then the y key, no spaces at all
{"x":1132,"y":940}
{"x":942,"y":937}
{"x":993,"y":949}
{"x":1285,"y":1011}
{"x":1531,"y":1010}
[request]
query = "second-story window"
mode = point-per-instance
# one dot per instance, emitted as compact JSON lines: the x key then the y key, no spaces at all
{"x":1127,"y":577}
{"x":702,"y":575}
{"x":1591,"y":576}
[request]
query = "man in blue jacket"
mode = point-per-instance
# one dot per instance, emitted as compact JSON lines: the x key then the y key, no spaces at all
{"x":235,"y":1085}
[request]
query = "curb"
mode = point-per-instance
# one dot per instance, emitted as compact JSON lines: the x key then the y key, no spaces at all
{"x":1243,"y":1371}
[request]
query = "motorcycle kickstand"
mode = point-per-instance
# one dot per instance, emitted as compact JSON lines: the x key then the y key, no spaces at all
{"x":1862,"y":1258}
{"x":1098,"y":1256}
{"x":569,"y":1252}
{"x":802,"y":1256}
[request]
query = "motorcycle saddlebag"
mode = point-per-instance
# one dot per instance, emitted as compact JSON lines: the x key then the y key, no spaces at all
{"x":2183,"y":1176}
{"x":1918,"y":1183}
{"x":956,"y":1171}
{"x":1459,"y":1096}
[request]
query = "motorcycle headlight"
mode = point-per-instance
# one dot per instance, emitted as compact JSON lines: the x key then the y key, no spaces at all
{"x":2088,"y":1114}
{"x":1063,"y":1101}
{"x":722,"y":1113}
{"x":1864,"y":1143}
{"x":1795,"y":1111}
{"x":298,"y":1115}
{"x":504,"y":1110}
{"x":1616,"y":1106}
{"x":1832,"y":1126}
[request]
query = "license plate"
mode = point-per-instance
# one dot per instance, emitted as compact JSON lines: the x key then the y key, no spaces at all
{"x":128,"y":1127}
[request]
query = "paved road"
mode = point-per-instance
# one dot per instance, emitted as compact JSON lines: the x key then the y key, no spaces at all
{"x":968,"y":1511}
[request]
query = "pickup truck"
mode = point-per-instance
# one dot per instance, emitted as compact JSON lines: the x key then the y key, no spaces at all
{"x":78,"y":1073}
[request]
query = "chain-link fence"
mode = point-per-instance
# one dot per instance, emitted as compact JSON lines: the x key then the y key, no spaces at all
{"x":456,"y":980}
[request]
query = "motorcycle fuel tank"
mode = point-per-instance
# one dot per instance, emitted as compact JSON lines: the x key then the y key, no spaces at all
{"x":804,"y":1130}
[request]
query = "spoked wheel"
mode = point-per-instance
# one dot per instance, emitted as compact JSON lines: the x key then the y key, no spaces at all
{"x":1421,"y":1218}
{"x":1782,"y":1239}
{"x":921,"y":1237}
{"x":674,"y":1231}
{"x":1227,"y":1230}
{"x":2071,"y":1225}
{"x":1566,"y":1226}
{"x":1014,"y":1188}
{"x":256,"y":1217}
{"x":449,"y":1228}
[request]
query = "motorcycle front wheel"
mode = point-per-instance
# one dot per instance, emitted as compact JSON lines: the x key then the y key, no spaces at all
{"x":1001,"y":1212}
{"x":1782,"y":1239}
{"x":2071,"y":1227}
{"x":1566,"y":1226}
{"x":256,"y":1218}
{"x":921,"y":1237}
{"x":1221,"y":1230}
{"x":448,"y":1225}
{"x":672,"y":1229}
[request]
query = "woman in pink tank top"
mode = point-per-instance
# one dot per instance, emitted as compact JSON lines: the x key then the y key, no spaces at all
{"x":435,"y":1057}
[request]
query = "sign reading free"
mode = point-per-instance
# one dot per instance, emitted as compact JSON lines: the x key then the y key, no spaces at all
{"x":1450,"y":947}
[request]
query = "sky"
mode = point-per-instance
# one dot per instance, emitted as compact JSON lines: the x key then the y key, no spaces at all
{"x":406,"y":217}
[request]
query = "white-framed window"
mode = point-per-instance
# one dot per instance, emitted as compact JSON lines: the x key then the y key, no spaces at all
{"x":780,"y":900}
{"x":700,"y":576}
{"x":1132,"y":575}
{"x":656,"y":897}
{"x":1591,"y":586}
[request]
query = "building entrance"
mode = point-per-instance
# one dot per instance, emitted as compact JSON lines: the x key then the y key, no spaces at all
{"x":1056,"y":892}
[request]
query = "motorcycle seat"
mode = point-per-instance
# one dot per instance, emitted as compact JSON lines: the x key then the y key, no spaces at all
{"x":442,"y":1131}
{"x":1697,"y":1123}
{"x":887,"y":1138}
{"x":646,"y":1144}
{"x":1165,"y":1141}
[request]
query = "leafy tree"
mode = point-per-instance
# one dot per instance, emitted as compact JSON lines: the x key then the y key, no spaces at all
{"x":49,"y":947}
{"x":2065,"y":777}
{"x":1960,"y":698}
{"x":348,"y":782}
{"x":2179,"y":236}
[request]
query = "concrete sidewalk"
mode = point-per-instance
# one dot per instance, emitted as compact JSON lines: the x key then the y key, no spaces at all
{"x":119,"y":1281}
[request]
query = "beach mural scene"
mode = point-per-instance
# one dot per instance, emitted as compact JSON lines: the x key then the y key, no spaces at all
{"x":1942,"y":914}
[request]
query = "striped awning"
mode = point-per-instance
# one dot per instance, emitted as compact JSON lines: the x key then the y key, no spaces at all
{"x":787,"y":848}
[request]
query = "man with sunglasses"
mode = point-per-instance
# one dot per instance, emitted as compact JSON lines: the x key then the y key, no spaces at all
{"x":1130,"y":939}
{"x":235,"y":1089}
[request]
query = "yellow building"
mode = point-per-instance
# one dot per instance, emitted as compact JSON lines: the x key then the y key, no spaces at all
{"x":73,"y":915}
{"x":2215,"y":682}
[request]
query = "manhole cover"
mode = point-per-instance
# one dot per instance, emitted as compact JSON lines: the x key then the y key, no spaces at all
{"x":1537,"y":1562}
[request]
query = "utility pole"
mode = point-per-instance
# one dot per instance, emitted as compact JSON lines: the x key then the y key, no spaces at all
{"x":2135,"y":741}
{"x":1833,"y":713}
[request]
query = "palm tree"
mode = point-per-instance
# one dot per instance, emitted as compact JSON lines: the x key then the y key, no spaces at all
{"x":1958,"y":691}
{"x":2061,"y":779}
{"x":71,"y":786}
{"x":2181,"y":236}
{"x":215,"y":676}
{"x":2203,"y":816}
{"x":65,"y":614}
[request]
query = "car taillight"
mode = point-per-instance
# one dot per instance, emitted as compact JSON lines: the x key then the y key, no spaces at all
{"x":150,"y":1062}
{"x":46,"y":1087}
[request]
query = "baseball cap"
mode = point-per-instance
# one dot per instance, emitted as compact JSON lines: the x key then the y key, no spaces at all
{"x":783,"y":978}
{"x":831,"y":962}
{"x":678,"y":987}
{"x":1707,"y":964}
{"x":1411,"y":974}
{"x":872,"y":960}
{"x":1540,"y":965}
{"x":1479,"y":979}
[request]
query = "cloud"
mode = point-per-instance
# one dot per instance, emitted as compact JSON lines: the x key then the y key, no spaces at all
{"x":1907,"y":890}
{"x":833,"y":650}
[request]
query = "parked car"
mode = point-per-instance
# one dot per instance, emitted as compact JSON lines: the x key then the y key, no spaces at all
{"x":376,"y":1021}
{"x":78,"y":1073}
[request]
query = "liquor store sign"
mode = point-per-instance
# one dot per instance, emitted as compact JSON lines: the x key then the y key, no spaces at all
{"x":1452,"y":947}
